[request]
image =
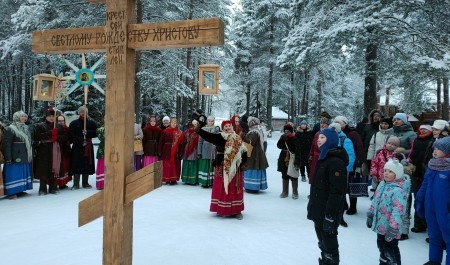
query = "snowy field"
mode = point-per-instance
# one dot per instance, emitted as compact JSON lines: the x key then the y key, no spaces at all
{"x":173,"y":226}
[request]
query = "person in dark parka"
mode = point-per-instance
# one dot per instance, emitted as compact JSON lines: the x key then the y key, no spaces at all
{"x":327,"y":195}
{"x":48,"y":162}
{"x":83,"y":159}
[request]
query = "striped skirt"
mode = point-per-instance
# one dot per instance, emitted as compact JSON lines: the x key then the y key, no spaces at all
{"x":205,"y":172}
{"x":189,"y":172}
{"x":227,"y":204}
{"x":17,"y":178}
{"x":255,"y":179}
{"x":100,"y":174}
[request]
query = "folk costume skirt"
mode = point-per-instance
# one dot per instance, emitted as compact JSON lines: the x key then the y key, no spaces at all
{"x":64,"y":179}
{"x":189,"y":172}
{"x":137,"y":162}
{"x":148,"y":160}
{"x":100,"y":174}
{"x":255,"y":179}
{"x":17,"y":178}
{"x":171,"y":170}
{"x":227,"y":204}
{"x":205,"y":172}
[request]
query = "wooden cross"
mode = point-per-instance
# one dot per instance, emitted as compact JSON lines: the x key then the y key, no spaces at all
{"x":119,"y":39}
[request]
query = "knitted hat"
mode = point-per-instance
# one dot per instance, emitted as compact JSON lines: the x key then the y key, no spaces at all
{"x":395,"y":166}
{"x":337,"y":127}
{"x":439,"y":124}
{"x":166,"y":118}
{"x":402,"y":117}
{"x":211,"y":118}
{"x":387,"y":120}
{"x":303,"y":122}
{"x":394,"y":141}
{"x":288,"y":127}
{"x":340,"y":119}
{"x":443,"y":144}
{"x":330,"y":144}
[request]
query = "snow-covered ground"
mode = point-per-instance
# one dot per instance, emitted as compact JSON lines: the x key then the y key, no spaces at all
{"x":173,"y":226}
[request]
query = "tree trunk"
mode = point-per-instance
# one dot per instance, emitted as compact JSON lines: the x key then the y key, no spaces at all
{"x":247,"y":99}
{"x":319,"y":94}
{"x":438,"y":97}
{"x":305,"y":101}
{"x":270,"y":83}
{"x":386,"y":103}
{"x":445,"y":101}
{"x":370,"y":91}
{"x":292,"y":110}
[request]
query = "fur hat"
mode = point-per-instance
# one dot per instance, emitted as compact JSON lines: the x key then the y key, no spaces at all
{"x":288,"y":127}
{"x":443,"y":144}
{"x":340,"y":119}
{"x":330,"y":144}
{"x":402,"y":117}
{"x":166,"y":119}
{"x":439,"y":124}
{"x":337,"y":127}
{"x":395,"y":166}
{"x":253,"y":121}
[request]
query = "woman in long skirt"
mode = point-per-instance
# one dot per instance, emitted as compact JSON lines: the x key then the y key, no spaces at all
{"x":206,"y":155}
{"x":100,"y":171}
{"x":152,"y":133}
{"x":171,"y":148}
{"x":189,"y":170}
{"x":18,"y":157}
{"x":227,"y":197}
{"x":255,"y":178}
{"x":65,"y":177}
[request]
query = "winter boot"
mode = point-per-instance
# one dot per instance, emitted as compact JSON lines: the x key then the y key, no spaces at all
{"x":303,"y":178}
{"x":420,"y":225}
{"x":85,"y":181}
{"x":76,"y":182}
{"x":352,"y":209}
{"x":285,"y":191}
{"x":295,"y":188}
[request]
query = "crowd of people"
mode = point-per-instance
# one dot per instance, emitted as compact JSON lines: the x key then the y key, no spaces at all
{"x":403,"y":168}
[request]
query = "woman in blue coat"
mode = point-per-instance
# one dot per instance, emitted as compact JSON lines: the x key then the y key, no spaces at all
{"x":433,"y":200}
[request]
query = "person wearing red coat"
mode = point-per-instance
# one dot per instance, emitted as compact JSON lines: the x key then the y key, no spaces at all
{"x":171,"y":149}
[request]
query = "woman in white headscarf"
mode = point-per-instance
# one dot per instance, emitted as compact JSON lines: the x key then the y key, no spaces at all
{"x":18,"y":157}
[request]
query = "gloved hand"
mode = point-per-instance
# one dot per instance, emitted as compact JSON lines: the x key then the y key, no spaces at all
{"x":54,"y":135}
{"x":390,"y":234}
{"x":84,"y":132}
{"x":329,"y":226}
{"x":369,"y":220}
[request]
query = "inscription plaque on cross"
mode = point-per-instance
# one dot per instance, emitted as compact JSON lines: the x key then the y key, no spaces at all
{"x":119,"y":38}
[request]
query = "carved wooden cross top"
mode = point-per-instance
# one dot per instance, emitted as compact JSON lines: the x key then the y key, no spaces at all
{"x":119,"y":38}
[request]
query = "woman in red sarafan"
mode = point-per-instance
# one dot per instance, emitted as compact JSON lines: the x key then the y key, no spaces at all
{"x":227,"y":198}
{"x":171,"y":149}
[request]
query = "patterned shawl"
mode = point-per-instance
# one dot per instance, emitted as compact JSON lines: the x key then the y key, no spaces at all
{"x":232,"y":157}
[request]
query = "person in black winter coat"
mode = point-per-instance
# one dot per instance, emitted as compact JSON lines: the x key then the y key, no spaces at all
{"x":303,"y":138}
{"x":327,"y":195}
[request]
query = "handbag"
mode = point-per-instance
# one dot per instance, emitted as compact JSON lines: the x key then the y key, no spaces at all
{"x":249,"y":148}
{"x":358,"y":184}
{"x":138,"y":145}
{"x":292,"y":171}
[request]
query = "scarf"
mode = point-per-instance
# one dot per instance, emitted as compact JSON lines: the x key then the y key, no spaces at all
{"x":152,"y":128}
{"x":21,"y":131}
{"x":192,"y":141}
{"x":88,"y":150}
{"x":56,"y":159}
{"x":178,"y":138}
{"x":439,"y":164}
{"x":425,"y":135}
{"x":232,"y":157}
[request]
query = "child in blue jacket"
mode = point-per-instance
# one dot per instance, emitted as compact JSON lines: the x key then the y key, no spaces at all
{"x":433,"y":201}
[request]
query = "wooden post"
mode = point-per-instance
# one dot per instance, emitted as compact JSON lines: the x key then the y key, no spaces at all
{"x":119,"y":39}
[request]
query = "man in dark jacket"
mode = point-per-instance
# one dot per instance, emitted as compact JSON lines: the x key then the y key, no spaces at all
{"x":327,"y":195}
{"x":303,"y":138}
{"x":82,"y":160}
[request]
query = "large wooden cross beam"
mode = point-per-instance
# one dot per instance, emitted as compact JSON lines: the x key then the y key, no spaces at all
{"x":119,"y":38}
